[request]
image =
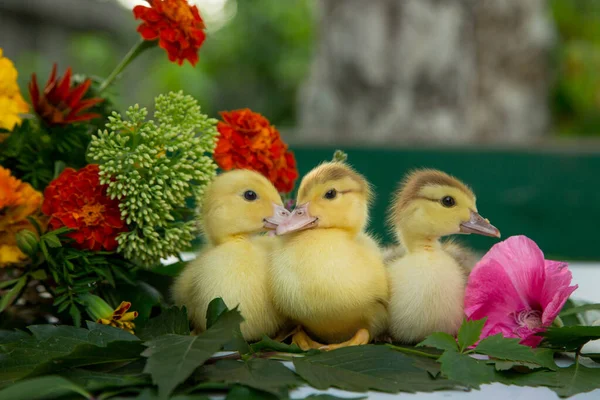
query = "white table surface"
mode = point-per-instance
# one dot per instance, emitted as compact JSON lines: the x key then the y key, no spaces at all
{"x":586,"y":275}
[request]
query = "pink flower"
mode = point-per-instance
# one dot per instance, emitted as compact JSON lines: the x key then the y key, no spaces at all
{"x":518,"y":291}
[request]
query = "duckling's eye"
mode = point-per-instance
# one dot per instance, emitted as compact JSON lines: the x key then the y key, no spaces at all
{"x":250,"y":195}
{"x":448,"y":201}
{"x":330,"y":195}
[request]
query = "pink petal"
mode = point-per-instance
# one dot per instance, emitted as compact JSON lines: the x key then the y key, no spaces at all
{"x":490,"y":293}
{"x":556,"y":290}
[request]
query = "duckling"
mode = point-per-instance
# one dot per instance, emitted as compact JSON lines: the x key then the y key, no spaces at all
{"x":328,"y":275}
{"x":427,"y":283}
{"x":464,"y":256}
{"x":234,"y":264}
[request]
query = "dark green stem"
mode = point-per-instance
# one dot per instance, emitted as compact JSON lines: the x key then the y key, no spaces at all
{"x":406,"y":350}
{"x":135,"y":51}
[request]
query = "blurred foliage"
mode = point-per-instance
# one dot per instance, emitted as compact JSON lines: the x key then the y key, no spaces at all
{"x":258,"y":57}
{"x":575,"y":97}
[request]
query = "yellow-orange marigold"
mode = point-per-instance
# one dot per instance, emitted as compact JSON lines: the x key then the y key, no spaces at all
{"x":12,"y":103}
{"x":18,"y":200}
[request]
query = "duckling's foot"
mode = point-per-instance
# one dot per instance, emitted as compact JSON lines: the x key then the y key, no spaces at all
{"x":361,"y":337}
{"x":284,"y":334}
{"x":302,"y":340}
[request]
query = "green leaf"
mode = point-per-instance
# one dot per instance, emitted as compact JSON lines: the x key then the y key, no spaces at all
{"x":262,"y":374}
{"x":172,"y":320}
{"x":368,"y":367}
{"x":45,"y":387}
{"x":239,"y":392}
{"x":580,"y":309}
{"x":215,"y":308}
{"x":330,"y":397}
{"x":577,"y":379}
{"x":8,"y":283}
{"x":570,"y":338}
{"x":40,"y":274}
{"x":173,"y":358}
{"x":469,"y":333}
{"x":7,"y":337}
{"x":267,"y":343}
{"x":51,"y":240}
{"x":94,"y":380}
{"x":440,"y":340}
{"x":531,"y":379}
{"x":52,"y":348}
{"x":573,"y":319}
{"x":466,"y":370}
{"x":509,"y":349}
{"x":10,"y":296}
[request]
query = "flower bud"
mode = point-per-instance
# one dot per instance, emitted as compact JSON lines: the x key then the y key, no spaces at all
{"x":27,"y":242}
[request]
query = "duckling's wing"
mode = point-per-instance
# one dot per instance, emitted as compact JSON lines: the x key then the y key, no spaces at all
{"x":465,"y":257}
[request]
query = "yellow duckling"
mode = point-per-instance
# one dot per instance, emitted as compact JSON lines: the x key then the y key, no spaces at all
{"x":234,"y":264}
{"x":427,"y":283}
{"x":328,"y":275}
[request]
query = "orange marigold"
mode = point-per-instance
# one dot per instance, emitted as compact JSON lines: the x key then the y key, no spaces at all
{"x":58,"y":103}
{"x":249,"y":141}
{"x":177,"y":26}
{"x":18,"y":200}
{"x":77,"y":200}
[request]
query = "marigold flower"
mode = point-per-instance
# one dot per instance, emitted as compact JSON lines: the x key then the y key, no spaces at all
{"x":11,"y":102}
{"x":120,"y":317}
{"x":518,"y":291}
{"x":77,"y":200}
{"x":18,"y":200}
{"x":249,"y":141}
{"x":177,"y":26}
{"x":58,"y":103}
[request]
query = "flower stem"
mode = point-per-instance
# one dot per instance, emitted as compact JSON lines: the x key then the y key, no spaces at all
{"x":135,"y":51}
{"x":413,"y":351}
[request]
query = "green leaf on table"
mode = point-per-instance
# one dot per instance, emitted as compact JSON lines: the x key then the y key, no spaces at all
{"x":173,"y":358}
{"x":94,"y":380}
{"x":239,"y":392}
{"x":369,"y":367}
{"x":267,"y":343}
{"x":531,"y":379}
{"x":172,"y":320}
{"x":440,"y":340}
{"x":469,"y":333}
{"x":215,"y":308}
{"x":51,"y":348}
{"x":10,"y":296}
{"x":466,"y":370}
{"x":580,"y":309}
{"x":45,"y":387}
{"x":261,"y":374}
{"x":509,"y":349}
{"x":570,"y":338}
{"x":576,"y":379}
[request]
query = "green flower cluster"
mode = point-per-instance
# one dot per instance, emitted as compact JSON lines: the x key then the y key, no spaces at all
{"x":155,"y":168}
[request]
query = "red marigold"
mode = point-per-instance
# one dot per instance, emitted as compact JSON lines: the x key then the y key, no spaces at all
{"x":77,"y":200}
{"x":58,"y":104}
{"x":177,"y":26}
{"x":249,"y":141}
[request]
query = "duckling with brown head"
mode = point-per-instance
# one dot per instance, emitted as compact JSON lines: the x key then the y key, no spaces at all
{"x":328,"y":275}
{"x":427,"y":283}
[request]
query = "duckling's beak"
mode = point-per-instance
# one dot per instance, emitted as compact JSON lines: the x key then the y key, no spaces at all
{"x":300,"y":219}
{"x":280,"y":214}
{"x":479,"y":225}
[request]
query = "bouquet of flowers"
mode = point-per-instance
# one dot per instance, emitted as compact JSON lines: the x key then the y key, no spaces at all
{"x":91,"y":198}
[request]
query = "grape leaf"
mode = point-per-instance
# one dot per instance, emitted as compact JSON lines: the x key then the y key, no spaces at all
{"x":94,"y":380}
{"x":215,"y":308}
{"x":570,"y":338}
{"x":362,"y":368}
{"x":173,"y":358}
{"x":329,"y":397}
{"x":172,"y":320}
{"x":440,"y":340}
{"x":469,"y":333}
{"x":509,"y":349}
{"x":466,"y":370}
{"x":261,"y":374}
{"x":576,"y":379}
{"x":42,"y":388}
{"x":8,"y":337}
{"x":267,"y":343}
